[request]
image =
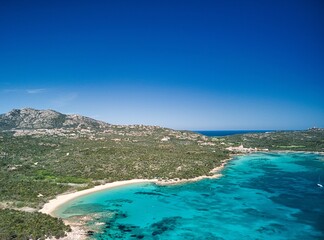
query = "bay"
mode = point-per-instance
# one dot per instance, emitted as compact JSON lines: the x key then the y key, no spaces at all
{"x":259,"y":196}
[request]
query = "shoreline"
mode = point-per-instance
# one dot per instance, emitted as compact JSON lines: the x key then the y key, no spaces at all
{"x":61,"y":199}
{"x":53,"y":204}
{"x":78,"y":231}
{"x":296,"y":151}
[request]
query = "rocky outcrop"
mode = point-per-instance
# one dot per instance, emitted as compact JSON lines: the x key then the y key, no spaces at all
{"x":28,"y":118}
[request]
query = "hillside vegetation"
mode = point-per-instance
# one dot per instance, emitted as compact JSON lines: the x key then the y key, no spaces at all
{"x":24,"y":225}
{"x":308,"y":140}
{"x":35,"y":168}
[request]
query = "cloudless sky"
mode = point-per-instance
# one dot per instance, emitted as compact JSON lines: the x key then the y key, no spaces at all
{"x":191,"y":64}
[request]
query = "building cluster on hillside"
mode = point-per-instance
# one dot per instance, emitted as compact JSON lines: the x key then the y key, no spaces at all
{"x":242,"y":149}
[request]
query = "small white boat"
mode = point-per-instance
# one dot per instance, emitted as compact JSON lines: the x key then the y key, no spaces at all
{"x":319,"y":182}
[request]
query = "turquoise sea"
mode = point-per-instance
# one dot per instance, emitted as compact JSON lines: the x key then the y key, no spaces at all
{"x":260,"y":196}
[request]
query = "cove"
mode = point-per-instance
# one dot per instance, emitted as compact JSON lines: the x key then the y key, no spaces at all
{"x":259,"y":196}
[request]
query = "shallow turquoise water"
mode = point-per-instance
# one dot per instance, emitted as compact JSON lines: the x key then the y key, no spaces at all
{"x":260,"y":196}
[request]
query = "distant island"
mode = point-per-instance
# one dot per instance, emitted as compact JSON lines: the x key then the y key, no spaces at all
{"x":44,"y":153}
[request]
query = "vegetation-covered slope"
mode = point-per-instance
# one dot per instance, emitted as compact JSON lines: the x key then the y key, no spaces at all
{"x":308,"y":140}
{"x":23,"y":225}
{"x":35,"y":168}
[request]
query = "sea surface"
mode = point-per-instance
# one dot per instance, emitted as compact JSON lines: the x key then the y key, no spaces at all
{"x":220,"y":133}
{"x":260,"y":196}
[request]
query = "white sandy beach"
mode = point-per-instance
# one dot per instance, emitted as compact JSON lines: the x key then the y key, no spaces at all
{"x":50,"y":207}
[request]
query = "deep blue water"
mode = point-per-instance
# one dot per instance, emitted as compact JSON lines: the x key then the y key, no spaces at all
{"x":219,"y":133}
{"x":260,"y":196}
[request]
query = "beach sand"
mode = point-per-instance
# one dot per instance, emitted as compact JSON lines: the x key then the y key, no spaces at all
{"x":50,"y":207}
{"x":78,"y":231}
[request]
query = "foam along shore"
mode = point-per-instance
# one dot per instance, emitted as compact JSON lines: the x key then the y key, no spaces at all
{"x":51,"y":206}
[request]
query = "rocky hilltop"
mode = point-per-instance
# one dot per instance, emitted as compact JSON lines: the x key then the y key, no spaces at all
{"x":32,"y":122}
{"x":28,"y":118}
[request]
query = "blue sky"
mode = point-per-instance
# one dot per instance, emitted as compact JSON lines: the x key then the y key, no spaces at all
{"x":179,"y":64}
